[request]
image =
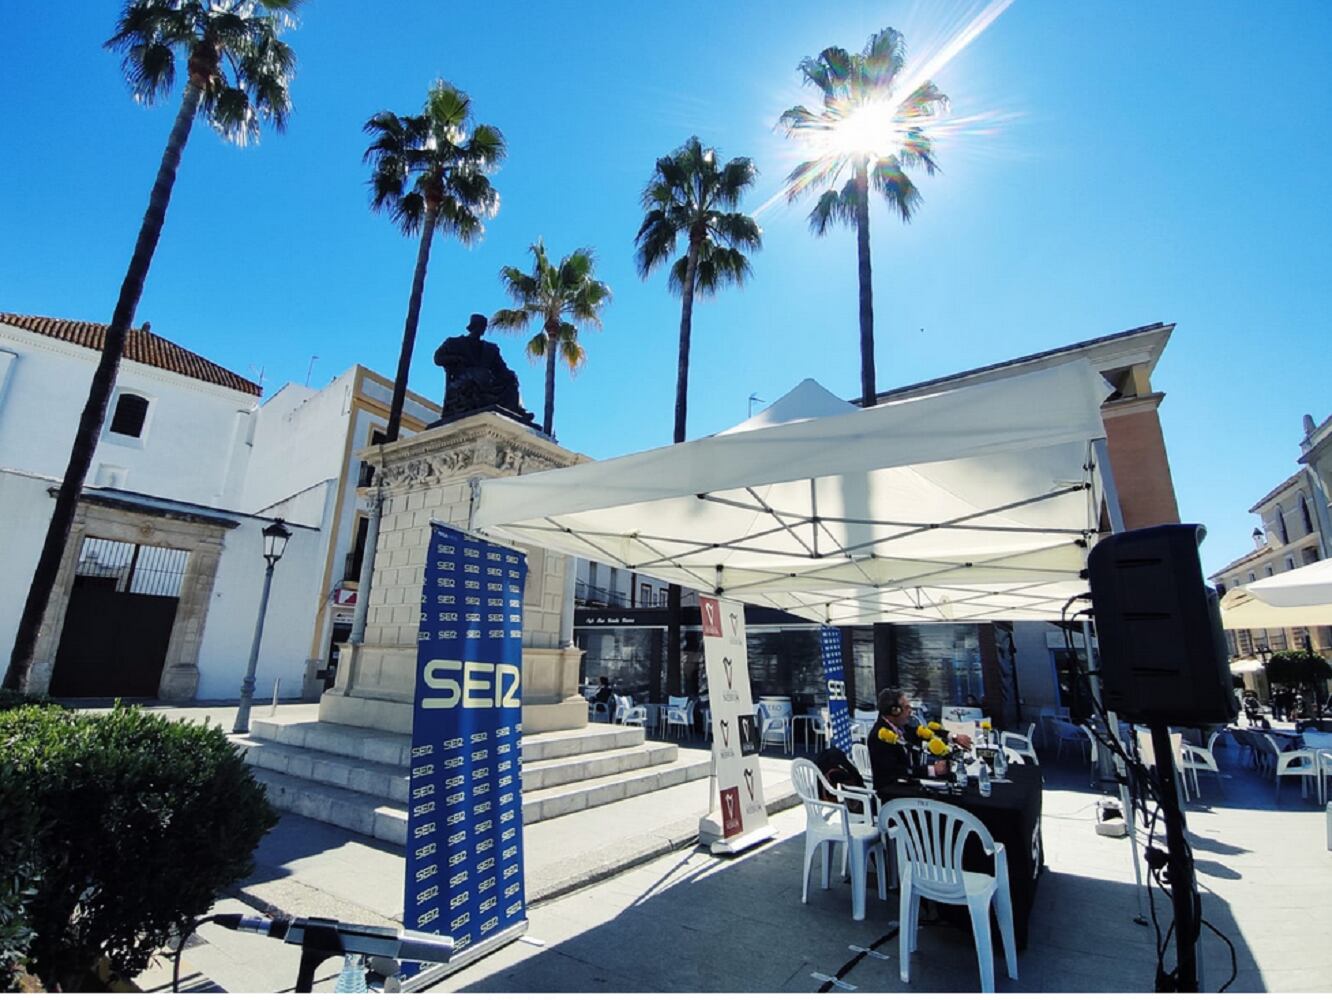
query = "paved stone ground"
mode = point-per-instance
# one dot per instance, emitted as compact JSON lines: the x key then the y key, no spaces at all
{"x":687,"y":921}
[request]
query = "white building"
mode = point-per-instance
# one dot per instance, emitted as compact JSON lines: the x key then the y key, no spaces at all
{"x":1292,"y":534}
{"x":160,"y":586}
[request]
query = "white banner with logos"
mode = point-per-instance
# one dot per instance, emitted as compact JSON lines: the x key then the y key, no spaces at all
{"x":735,"y":729}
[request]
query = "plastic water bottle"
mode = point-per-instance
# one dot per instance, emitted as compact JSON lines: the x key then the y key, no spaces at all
{"x":960,"y":773}
{"x":352,"y":977}
{"x":983,"y":781}
{"x":1000,"y":764}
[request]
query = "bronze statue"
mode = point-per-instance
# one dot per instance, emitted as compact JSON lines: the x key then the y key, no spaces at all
{"x":476,"y":377}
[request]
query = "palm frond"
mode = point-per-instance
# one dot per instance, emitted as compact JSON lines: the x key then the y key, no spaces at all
{"x":896,"y":187}
{"x":510,"y":319}
{"x":834,"y":207}
{"x":538,"y":345}
{"x":736,"y":229}
{"x":571,"y":350}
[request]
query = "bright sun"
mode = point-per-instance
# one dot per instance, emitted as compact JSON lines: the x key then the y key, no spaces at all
{"x":870,"y":130}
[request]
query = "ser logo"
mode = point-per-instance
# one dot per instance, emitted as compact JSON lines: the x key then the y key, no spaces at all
{"x":471,"y":684}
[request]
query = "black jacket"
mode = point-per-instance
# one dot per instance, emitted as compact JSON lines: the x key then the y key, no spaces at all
{"x":889,"y":762}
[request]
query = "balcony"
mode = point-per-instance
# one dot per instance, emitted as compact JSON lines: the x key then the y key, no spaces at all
{"x":588,"y":596}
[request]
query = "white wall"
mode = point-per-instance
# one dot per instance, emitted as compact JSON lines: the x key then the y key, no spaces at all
{"x":229,"y":630}
{"x":1037,"y":685}
{"x":184,"y":452}
{"x":25,"y":510}
{"x":298,"y":439}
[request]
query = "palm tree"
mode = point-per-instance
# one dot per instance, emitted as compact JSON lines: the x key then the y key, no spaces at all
{"x":549,"y":294}
{"x":868,"y":128}
{"x":690,"y":194}
{"x":238,"y":71}
{"x":430,"y":175}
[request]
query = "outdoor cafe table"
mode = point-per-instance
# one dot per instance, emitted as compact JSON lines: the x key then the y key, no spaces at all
{"x":1012,"y":814}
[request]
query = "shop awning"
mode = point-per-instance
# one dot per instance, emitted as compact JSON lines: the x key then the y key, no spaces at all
{"x":971,"y":504}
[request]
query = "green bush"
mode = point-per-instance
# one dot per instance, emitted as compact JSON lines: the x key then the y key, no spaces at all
{"x":1297,"y":667}
{"x":139,"y":824}
{"x":17,"y":699}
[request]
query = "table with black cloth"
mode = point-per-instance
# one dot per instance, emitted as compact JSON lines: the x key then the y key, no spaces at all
{"x":1012,"y":814}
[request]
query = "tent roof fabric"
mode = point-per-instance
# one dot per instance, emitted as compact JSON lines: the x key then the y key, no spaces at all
{"x":971,"y":504}
{"x":1299,"y":597}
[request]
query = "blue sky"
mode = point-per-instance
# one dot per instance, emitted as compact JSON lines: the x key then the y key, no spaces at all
{"x":1154,"y":162}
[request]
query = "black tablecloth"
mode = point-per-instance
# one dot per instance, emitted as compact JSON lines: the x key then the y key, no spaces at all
{"x":1012,"y":814}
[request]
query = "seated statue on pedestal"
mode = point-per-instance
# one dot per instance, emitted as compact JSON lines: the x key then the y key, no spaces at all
{"x":476,"y":377}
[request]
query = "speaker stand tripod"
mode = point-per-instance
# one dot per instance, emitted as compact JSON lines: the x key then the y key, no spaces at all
{"x":1183,"y":884}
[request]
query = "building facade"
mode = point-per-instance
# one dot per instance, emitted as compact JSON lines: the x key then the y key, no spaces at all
{"x":159,"y":590}
{"x":1291,"y":534}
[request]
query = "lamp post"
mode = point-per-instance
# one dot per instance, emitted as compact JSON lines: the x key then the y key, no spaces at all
{"x":275,"y":543}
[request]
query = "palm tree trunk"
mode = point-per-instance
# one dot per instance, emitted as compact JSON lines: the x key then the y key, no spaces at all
{"x":103,"y":381}
{"x":409,"y":328}
{"x":686,"y":327}
{"x":868,"y":391}
{"x":357,"y":635}
{"x":674,"y":673}
{"x":548,"y":424}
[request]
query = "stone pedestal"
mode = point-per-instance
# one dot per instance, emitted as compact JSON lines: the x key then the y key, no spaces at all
{"x":428,"y":478}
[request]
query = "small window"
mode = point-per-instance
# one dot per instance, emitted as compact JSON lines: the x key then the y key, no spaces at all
{"x":1281,"y":525}
{"x":131,"y":412}
{"x":1290,"y":562}
{"x":645,"y":595}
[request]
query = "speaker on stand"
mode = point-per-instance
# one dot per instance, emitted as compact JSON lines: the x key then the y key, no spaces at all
{"x":1163,"y":662}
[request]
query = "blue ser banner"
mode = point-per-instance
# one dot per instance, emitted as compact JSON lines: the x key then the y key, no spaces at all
{"x":465,"y":806}
{"x":830,"y":640}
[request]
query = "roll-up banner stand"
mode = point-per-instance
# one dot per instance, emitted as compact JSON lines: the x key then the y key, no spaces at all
{"x":465,"y":804}
{"x":830,"y":640}
{"x":743,"y":820}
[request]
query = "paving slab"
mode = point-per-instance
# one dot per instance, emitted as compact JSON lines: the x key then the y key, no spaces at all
{"x":685,"y":920}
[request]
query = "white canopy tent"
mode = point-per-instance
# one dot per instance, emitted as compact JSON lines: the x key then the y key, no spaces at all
{"x":1299,"y":597}
{"x":971,"y":504}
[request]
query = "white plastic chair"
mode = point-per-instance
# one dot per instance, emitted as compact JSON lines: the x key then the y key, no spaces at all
{"x":623,"y":703}
{"x":861,"y":758}
{"x":862,"y":721}
{"x":1065,"y":732}
{"x":1324,"y":760}
{"x":828,"y":823}
{"x":820,"y":727}
{"x":1021,"y":745}
{"x":776,"y":724}
{"x":1293,"y":763}
{"x":930,"y":838}
{"x":1194,"y":761}
{"x":680,"y":714}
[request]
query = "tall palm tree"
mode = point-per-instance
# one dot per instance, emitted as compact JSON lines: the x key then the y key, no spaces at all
{"x":557,"y":296}
{"x":870,"y":129}
{"x":691,"y":195}
{"x":238,"y":71}
{"x":429,"y":173}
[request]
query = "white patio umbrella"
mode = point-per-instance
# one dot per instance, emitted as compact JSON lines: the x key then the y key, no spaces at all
{"x":1299,"y":597}
{"x":971,"y":504}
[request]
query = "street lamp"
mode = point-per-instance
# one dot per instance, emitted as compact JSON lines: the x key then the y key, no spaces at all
{"x":276,"y":536}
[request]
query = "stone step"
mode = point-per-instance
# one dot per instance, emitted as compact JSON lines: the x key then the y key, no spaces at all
{"x":390,"y":748}
{"x":372,"y":816}
{"x":578,"y":795}
{"x":390,"y":781}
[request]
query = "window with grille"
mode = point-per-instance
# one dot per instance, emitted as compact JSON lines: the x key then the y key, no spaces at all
{"x":134,"y":569}
{"x":130,"y":414}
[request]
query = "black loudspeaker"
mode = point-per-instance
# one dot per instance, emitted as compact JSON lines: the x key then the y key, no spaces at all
{"x":1163,"y":654}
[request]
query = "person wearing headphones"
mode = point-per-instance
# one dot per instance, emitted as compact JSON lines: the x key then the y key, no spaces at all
{"x":890,"y":760}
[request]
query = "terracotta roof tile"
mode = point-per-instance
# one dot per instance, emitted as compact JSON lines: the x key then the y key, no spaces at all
{"x":141,"y":345}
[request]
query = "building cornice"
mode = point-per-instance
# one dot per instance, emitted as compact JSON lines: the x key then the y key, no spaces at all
{"x":130,"y":370}
{"x":1149,"y":403}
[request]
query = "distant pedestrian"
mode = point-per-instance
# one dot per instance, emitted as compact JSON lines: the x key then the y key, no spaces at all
{"x":604,"y":693}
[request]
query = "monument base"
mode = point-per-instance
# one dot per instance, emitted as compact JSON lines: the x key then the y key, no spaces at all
{"x":545,"y":707}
